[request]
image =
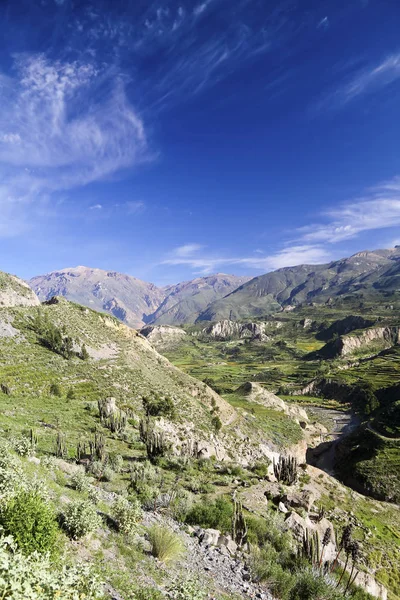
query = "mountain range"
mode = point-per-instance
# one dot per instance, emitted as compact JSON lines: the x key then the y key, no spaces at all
{"x":221,"y":296}
{"x":133,"y":301}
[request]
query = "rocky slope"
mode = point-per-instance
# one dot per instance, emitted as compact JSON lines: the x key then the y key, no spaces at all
{"x":131,"y":300}
{"x":127,"y":298}
{"x":364,"y":272}
{"x":15,"y":292}
{"x":185,"y":301}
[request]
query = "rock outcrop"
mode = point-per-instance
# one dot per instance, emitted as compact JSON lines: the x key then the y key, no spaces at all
{"x":163,"y":337}
{"x":16,"y":292}
{"x":375,"y":337}
{"x":254,"y":392}
{"x":226,"y":330}
{"x":344,"y":326}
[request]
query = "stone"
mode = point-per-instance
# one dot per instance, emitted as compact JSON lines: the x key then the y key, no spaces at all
{"x":210,"y":537}
{"x":282,"y":508}
{"x":297,"y":525}
{"x":227,"y":542}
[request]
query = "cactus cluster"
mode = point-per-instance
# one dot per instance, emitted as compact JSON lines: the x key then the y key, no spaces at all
{"x":156,"y":444}
{"x":285,"y":469}
{"x":311,"y":547}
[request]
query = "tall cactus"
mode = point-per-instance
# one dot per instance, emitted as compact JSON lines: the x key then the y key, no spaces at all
{"x":285,"y":469}
{"x":97,"y":446}
{"x":239,"y":526}
{"x":310,"y":549}
{"x":61,"y":445}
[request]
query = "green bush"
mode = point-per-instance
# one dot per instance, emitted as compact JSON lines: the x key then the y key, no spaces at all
{"x":31,"y":522}
{"x":148,"y":594}
{"x":55,"y":389}
{"x":79,"y":481}
{"x":108,"y":473}
{"x":116,"y":462}
{"x":158,"y":406}
{"x":145,"y":481}
{"x":34,"y":577}
{"x":80,"y":518}
{"x":127,"y":515}
{"x":310,"y":585}
{"x":166,"y":545}
{"x":186,"y":590}
{"x":11,"y":474}
{"x":212,"y":514}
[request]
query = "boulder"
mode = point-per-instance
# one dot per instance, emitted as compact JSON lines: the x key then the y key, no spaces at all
{"x":282,"y":508}
{"x":210,"y":537}
{"x":227,"y":542}
{"x":297,"y":525}
{"x":303,"y":499}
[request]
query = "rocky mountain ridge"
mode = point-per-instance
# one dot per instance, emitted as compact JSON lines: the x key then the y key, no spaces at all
{"x":224,"y":297}
{"x":131,"y":300}
{"x":365,"y":273}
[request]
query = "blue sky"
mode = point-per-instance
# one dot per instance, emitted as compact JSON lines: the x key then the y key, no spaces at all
{"x":176,"y":138}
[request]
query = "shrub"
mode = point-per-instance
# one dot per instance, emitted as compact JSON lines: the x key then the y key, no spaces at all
{"x":93,"y":495}
{"x":186,"y":590}
{"x":261,"y":468}
{"x":166,"y":545}
{"x":116,"y":462}
{"x":216,"y":423}
{"x":55,"y":389}
{"x":36,"y":578}
{"x":157,"y":406}
{"x":181,"y":505}
{"x":23,"y":446}
{"x":11,"y":474}
{"x":148,"y":594}
{"x":145,"y":482}
{"x":214,"y":514}
{"x":108,"y":473}
{"x":127,"y":515}
{"x":80,"y":518}
{"x":31,"y":522}
{"x":52,"y":337}
{"x":70,"y":394}
{"x":79,"y":481}
{"x":310,"y":585}
{"x":96,"y":468}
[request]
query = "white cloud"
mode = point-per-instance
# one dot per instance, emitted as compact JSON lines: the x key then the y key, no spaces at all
{"x":54,"y":136}
{"x":366,"y":80}
{"x":379,"y":210}
{"x":96,"y":207}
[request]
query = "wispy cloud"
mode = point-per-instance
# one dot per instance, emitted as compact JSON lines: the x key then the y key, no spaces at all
{"x":202,"y":262}
{"x":364,"y":81}
{"x":313,"y":244}
{"x":187,"y":250}
{"x":62,"y":125}
{"x":380,"y":209}
{"x":96,"y":207}
{"x":323,"y":23}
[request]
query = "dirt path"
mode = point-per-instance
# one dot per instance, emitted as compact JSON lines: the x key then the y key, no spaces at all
{"x":339,"y":425}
